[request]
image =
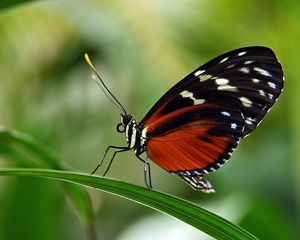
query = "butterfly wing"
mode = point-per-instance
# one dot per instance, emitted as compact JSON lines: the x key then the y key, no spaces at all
{"x":196,"y":125}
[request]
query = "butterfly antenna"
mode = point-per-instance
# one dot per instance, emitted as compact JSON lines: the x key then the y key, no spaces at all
{"x":104,"y":88}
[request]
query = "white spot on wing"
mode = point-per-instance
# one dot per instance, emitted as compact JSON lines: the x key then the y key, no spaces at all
{"x":261,"y":92}
{"x":255,"y":80}
{"x":226,"y":114}
{"x":199,"y":72}
{"x":230,"y":66}
{"x":144,"y":136}
{"x":244,"y":70}
{"x":144,"y":132}
{"x":205,"y":77}
{"x":250,"y":120}
{"x":272,"y":85}
{"x":246,"y":102}
{"x":233,"y":125}
{"x":187,"y":94}
{"x":248,"y":62}
{"x":242,"y":53}
{"x":227,"y":88}
{"x":222,"y":81}
{"x":199,"y":101}
{"x":262,"y":71}
{"x":224,"y":59}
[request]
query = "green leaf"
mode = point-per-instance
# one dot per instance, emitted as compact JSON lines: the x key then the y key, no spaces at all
{"x":17,"y":139}
{"x":190,"y":213}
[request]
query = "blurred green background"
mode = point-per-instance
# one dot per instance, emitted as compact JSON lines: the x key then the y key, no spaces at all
{"x":141,"y":49}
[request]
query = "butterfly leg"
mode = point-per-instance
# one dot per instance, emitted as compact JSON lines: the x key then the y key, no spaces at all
{"x":147,"y":172}
{"x":119,"y":149}
{"x":112,"y":158}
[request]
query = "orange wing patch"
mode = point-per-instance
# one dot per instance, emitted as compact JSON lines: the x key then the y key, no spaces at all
{"x":187,"y":149}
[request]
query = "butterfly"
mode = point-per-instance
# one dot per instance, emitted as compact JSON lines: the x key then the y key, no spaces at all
{"x":194,"y":127}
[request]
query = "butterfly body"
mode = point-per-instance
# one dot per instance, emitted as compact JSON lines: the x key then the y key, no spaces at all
{"x":196,"y":125}
{"x":135,"y":135}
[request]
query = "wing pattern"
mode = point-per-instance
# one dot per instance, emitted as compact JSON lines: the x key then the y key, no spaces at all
{"x":194,"y":128}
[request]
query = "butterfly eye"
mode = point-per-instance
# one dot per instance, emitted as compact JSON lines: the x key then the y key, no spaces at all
{"x":120,"y":128}
{"x":126,"y":119}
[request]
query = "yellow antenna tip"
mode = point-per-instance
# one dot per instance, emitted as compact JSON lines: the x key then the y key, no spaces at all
{"x":89,"y":62}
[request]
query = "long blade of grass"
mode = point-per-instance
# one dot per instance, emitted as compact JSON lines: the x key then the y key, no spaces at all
{"x":190,"y":213}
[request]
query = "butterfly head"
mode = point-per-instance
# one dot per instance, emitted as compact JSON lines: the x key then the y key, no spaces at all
{"x":125,"y":120}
